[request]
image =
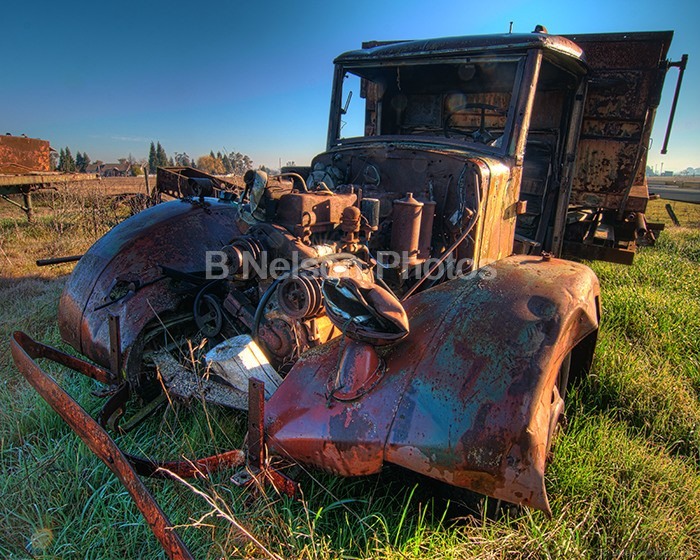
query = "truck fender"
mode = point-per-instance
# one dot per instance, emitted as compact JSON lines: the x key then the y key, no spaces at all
{"x":478,"y":411}
{"x":467,"y":397}
{"x":174,"y":234}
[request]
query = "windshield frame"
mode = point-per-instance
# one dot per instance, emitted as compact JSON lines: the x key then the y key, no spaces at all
{"x":524,"y":77}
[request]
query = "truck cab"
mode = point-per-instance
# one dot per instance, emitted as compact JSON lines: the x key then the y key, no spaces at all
{"x":554,"y":129}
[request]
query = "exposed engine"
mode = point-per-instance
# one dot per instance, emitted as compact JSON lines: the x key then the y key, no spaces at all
{"x":303,"y":238}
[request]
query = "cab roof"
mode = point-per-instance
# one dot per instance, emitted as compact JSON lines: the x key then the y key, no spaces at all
{"x":445,"y":47}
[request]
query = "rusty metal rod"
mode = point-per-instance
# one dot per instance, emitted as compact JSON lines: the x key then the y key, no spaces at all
{"x":101,"y":445}
{"x":29,"y":206}
{"x":672,"y":215}
{"x":58,"y":260}
{"x":17,"y":204}
{"x":39,"y":350}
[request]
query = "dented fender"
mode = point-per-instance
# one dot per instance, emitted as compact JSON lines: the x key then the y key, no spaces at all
{"x":465,"y":398}
{"x":174,"y":234}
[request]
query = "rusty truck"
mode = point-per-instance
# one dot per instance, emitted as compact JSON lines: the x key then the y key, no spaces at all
{"x":411,"y":297}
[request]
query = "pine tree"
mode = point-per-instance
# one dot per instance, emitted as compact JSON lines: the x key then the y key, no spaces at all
{"x":86,"y":159}
{"x":70,"y":162}
{"x":161,"y":156}
{"x":152,"y":158}
{"x":62,"y":160}
{"x":79,"y":162}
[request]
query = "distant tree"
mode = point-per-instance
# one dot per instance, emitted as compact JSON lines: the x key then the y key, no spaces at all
{"x":240,"y":163}
{"x":86,"y":160}
{"x":247,"y":163}
{"x":210,"y":165}
{"x":152,"y":158}
{"x":66,"y":163}
{"x":136,"y":170}
{"x":290,"y":164}
{"x":228,"y":166}
{"x":237,"y":162}
{"x":79,"y":162}
{"x":161,"y":156}
{"x":70,"y":160}
{"x":53,"y":160}
{"x":182,"y":159}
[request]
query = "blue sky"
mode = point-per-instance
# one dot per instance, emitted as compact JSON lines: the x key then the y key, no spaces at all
{"x":109,"y":77}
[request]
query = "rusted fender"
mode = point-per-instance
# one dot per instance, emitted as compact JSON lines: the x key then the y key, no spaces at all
{"x":465,"y":398}
{"x":175,"y":234}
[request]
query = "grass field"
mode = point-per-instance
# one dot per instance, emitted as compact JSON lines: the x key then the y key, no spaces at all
{"x":624,"y":482}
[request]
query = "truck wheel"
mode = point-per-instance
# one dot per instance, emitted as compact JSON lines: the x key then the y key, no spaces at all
{"x":557,"y":415}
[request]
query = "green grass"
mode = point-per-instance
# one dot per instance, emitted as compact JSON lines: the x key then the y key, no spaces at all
{"x":624,"y":481}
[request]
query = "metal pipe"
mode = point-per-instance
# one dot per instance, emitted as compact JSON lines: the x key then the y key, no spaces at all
{"x":295,"y":176}
{"x":681,"y":65}
{"x":641,"y":224}
{"x":672,"y":215}
{"x":58,"y":260}
{"x":17,"y":204}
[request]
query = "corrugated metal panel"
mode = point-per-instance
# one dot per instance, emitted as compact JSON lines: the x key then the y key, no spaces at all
{"x":20,"y":155}
{"x":626,"y":78}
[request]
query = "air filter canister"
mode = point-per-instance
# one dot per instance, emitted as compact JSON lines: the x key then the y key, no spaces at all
{"x":370,"y":211}
{"x":405,"y":230}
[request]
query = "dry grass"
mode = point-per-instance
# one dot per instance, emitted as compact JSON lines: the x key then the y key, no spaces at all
{"x":66,"y":222}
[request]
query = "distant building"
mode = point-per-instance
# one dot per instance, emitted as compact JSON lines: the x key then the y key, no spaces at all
{"x":667,"y":174}
{"x":122,"y":169}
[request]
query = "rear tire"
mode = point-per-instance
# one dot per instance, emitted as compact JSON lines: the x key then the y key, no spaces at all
{"x":557,"y":418}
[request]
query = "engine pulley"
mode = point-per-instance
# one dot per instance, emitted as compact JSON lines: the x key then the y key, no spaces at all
{"x":300,"y":297}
